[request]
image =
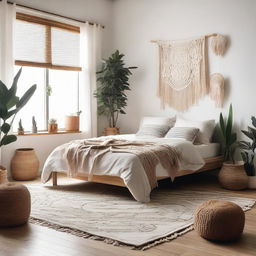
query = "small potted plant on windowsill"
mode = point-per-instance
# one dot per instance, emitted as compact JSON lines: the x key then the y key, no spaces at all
{"x":52,"y":126}
{"x":111,"y":97}
{"x":232,"y":174}
{"x":10,"y":105}
{"x":248,"y":153}
{"x":72,"y":122}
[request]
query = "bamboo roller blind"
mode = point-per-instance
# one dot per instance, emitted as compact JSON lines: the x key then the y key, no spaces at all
{"x":46,"y":43}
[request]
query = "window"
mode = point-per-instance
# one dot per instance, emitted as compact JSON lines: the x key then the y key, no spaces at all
{"x":49,"y":53}
{"x":57,"y":95}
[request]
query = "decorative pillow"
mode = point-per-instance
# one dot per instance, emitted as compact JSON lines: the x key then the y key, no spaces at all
{"x":148,"y":120}
{"x":206,"y":129}
{"x":186,"y":133}
{"x":153,"y":131}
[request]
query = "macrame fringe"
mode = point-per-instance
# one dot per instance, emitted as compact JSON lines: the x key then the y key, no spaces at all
{"x":86,"y":235}
{"x":219,"y":44}
{"x":217,"y":88}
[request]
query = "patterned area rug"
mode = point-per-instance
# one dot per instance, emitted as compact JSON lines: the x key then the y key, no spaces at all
{"x":110,"y":213}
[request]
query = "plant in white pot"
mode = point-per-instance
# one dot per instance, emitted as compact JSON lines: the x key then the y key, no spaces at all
{"x":111,"y":96}
{"x":232,"y":174}
{"x":10,"y":105}
{"x":248,"y":153}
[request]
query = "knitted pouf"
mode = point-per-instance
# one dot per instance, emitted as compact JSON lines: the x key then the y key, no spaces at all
{"x":14,"y":204}
{"x":219,"y":220}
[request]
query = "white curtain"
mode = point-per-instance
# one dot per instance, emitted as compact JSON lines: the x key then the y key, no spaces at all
{"x":7,"y":19}
{"x":90,"y":48}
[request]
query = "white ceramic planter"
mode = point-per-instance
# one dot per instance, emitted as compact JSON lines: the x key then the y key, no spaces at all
{"x":252,"y":182}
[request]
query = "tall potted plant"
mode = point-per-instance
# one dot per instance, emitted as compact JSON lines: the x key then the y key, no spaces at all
{"x":248,"y":153}
{"x":10,"y":105}
{"x":114,"y":81}
{"x":232,"y":174}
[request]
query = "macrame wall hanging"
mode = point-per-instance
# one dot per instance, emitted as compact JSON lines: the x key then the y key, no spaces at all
{"x":183,"y":71}
{"x":217,"y":83}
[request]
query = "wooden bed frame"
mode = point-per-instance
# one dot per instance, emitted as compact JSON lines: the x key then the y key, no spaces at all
{"x":210,"y":164}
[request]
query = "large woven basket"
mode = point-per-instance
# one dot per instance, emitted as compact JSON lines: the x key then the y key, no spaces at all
{"x":233,"y":176}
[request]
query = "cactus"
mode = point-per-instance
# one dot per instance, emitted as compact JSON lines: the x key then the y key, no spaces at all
{"x":20,"y":128}
{"x":52,"y":121}
{"x":34,"y":126}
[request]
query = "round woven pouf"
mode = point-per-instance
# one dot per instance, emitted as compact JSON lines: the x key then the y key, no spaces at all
{"x":219,"y":220}
{"x":15,"y":205}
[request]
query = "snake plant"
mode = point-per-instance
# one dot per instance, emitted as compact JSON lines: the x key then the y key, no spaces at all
{"x":228,"y":136}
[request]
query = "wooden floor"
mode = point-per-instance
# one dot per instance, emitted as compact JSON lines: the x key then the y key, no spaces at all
{"x":34,"y":240}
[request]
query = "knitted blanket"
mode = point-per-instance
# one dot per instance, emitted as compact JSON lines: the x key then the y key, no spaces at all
{"x":79,"y":152}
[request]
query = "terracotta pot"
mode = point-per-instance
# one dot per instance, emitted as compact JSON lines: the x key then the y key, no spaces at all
{"x":52,"y":128}
{"x":233,"y":176}
{"x":24,"y":164}
{"x":252,"y":182}
{"x":111,"y":131}
{"x":3,"y":175}
{"x":72,"y":123}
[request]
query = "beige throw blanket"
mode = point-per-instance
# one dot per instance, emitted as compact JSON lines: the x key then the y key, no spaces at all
{"x":85,"y":153}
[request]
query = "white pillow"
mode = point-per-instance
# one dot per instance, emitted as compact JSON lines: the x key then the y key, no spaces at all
{"x":153,"y":131}
{"x":186,"y":133}
{"x":152,"y":120}
{"x":206,"y":129}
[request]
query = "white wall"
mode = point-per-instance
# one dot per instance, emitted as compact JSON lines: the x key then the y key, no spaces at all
{"x":99,"y":11}
{"x":135,"y":23}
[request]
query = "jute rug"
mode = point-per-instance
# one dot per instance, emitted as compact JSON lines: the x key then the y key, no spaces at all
{"x":110,"y":213}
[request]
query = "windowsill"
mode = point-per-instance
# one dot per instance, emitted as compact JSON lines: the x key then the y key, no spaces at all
{"x":46,"y":133}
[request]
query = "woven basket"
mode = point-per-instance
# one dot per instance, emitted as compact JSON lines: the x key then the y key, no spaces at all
{"x":3,"y":175}
{"x":233,"y":176}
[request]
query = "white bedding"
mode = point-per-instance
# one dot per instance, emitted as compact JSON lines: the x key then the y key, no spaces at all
{"x":127,"y":166}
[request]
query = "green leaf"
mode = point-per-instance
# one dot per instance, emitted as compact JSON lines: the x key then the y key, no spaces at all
{"x":5,"y":128}
{"x":245,"y":145}
{"x":26,"y":97}
{"x":253,"y":121}
{"x":7,"y":139}
{"x":12,"y":102}
{"x":13,"y":88}
{"x":233,"y":138}
{"x":229,"y":123}
{"x":222,"y":125}
{"x":248,"y":134}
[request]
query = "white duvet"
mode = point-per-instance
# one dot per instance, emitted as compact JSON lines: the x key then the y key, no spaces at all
{"x":127,"y":166}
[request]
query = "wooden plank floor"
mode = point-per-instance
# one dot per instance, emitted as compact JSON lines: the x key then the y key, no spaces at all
{"x":34,"y":240}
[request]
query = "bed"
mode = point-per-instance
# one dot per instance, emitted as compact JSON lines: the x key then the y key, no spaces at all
{"x":124,"y":169}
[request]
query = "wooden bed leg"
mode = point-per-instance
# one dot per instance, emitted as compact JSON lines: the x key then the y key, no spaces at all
{"x":54,"y":179}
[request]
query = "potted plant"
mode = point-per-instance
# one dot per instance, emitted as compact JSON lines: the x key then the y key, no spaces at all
{"x":248,"y":153}
{"x":72,"y":122}
{"x":112,"y":100}
{"x":232,"y":174}
{"x":20,"y":128}
{"x":52,"y":125}
{"x":10,"y":105}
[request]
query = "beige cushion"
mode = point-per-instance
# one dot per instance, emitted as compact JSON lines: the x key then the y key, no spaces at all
{"x":186,"y":133}
{"x":206,"y":129}
{"x":219,"y":220}
{"x":152,"y":131}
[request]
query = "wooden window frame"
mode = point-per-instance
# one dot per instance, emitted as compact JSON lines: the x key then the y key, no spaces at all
{"x":48,"y":52}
